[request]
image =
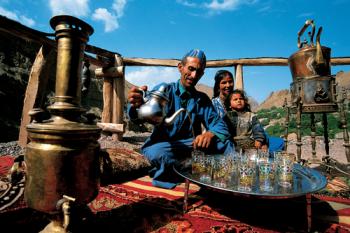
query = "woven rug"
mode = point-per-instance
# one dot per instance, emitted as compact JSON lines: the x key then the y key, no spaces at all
{"x":137,"y":206}
{"x":11,"y":194}
{"x":149,"y":209}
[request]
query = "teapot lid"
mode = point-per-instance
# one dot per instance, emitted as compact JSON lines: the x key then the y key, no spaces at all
{"x":161,"y":92}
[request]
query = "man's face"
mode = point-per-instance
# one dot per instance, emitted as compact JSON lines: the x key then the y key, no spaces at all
{"x":190,"y":72}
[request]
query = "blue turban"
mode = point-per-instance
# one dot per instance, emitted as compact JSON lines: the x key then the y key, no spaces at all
{"x":198,"y":54}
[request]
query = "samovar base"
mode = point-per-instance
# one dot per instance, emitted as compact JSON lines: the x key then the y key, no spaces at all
{"x":70,"y":217}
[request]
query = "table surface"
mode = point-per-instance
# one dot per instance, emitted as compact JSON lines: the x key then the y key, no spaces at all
{"x":305,"y":181}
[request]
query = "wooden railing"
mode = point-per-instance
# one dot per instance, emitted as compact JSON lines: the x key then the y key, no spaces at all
{"x":111,"y":69}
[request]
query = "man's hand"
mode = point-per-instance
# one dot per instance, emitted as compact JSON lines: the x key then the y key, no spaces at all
{"x":203,"y":141}
{"x":259,"y":145}
{"x":135,"y":96}
{"x":264,"y":148}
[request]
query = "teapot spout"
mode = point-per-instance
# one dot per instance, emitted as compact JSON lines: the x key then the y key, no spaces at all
{"x":170,"y":120}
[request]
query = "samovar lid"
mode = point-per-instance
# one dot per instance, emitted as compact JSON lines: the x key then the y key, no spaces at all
{"x":60,"y":22}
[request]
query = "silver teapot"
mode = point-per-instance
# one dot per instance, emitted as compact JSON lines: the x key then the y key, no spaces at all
{"x":153,"y":110}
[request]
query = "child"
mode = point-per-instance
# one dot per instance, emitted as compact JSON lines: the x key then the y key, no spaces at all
{"x":243,"y":125}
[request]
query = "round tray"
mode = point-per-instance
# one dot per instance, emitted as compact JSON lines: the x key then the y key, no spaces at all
{"x":305,"y":181}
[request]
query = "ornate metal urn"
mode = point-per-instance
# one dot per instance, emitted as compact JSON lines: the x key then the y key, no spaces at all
{"x":314,"y":89}
{"x":62,"y":157}
{"x":313,"y":85}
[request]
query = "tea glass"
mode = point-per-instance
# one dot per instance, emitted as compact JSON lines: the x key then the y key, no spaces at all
{"x":266,"y":176}
{"x":202,"y":165}
{"x":251,"y":154}
{"x":263,"y":156}
{"x":222,"y":170}
{"x":246,"y":173}
{"x":285,"y":164}
{"x":234,"y":158}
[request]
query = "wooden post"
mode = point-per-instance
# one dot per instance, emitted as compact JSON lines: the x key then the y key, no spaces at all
{"x":35,"y":91}
{"x":239,"y":77}
{"x":313,"y":136}
{"x":113,"y":98}
{"x":118,"y":98}
{"x":286,"y":124}
{"x":107,"y":100}
{"x":344,"y":126}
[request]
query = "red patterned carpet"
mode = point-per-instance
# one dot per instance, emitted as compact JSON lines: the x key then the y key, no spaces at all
{"x":159,"y":210}
{"x":136,"y":206}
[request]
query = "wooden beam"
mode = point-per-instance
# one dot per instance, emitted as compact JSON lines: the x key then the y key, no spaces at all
{"x":111,"y":127}
{"x":337,"y":61}
{"x":262,"y":61}
{"x":150,"y":62}
{"x":259,"y":61}
{"x":210,"y":63}
{"x":110,"y":72}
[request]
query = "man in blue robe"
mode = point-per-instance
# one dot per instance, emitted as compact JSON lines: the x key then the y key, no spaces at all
{"x":169,"y":144}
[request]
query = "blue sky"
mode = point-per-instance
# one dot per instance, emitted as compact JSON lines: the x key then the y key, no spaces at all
{"x":224,"y":29}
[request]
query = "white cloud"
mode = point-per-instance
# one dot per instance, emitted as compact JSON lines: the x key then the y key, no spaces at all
{"x":186,"y":3}
{"x":21,"y":18}
{"x":76,"y":8}
{"x":118,"y":6}
{"x":152,"y":76}
{"x":216,"y":6}
{"x":26,"y":21}
{"x":109,"y":19}
{"x":224,"y":5}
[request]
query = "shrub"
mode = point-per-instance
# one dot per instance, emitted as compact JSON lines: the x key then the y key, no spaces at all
{"x":333,"y":122}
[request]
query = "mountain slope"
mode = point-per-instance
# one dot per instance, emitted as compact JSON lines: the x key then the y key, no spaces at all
{"x":277,"y":98}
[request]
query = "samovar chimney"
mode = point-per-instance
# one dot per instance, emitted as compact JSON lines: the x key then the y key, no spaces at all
{"x":62,"y":157}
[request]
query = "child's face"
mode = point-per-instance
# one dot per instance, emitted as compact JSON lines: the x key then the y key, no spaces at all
{"x":237,"y":102}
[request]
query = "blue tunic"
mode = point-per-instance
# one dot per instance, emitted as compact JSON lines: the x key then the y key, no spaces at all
{"x":170,"y":143}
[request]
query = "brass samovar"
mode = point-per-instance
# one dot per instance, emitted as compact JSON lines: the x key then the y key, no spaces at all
{"x":62,"y":158}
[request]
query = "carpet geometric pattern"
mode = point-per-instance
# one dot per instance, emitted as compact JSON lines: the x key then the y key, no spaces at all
{"x":11,"y":194}
{"x":215,"y":212}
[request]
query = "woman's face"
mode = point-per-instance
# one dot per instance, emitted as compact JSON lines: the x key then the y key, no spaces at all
{"x":226,"y":86}
{"x":237,"y":102}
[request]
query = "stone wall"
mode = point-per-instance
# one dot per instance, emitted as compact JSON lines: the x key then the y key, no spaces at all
{"x":16,"y":59}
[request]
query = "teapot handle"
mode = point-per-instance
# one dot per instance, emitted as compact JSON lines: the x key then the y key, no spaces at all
{"x":311,"y":34}
{"x":144,"y":94}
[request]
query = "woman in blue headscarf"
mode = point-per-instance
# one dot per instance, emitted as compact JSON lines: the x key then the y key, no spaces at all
{"x":223,"y":87}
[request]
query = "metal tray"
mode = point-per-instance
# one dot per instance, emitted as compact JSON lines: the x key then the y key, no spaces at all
{"x":305,"y":181}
